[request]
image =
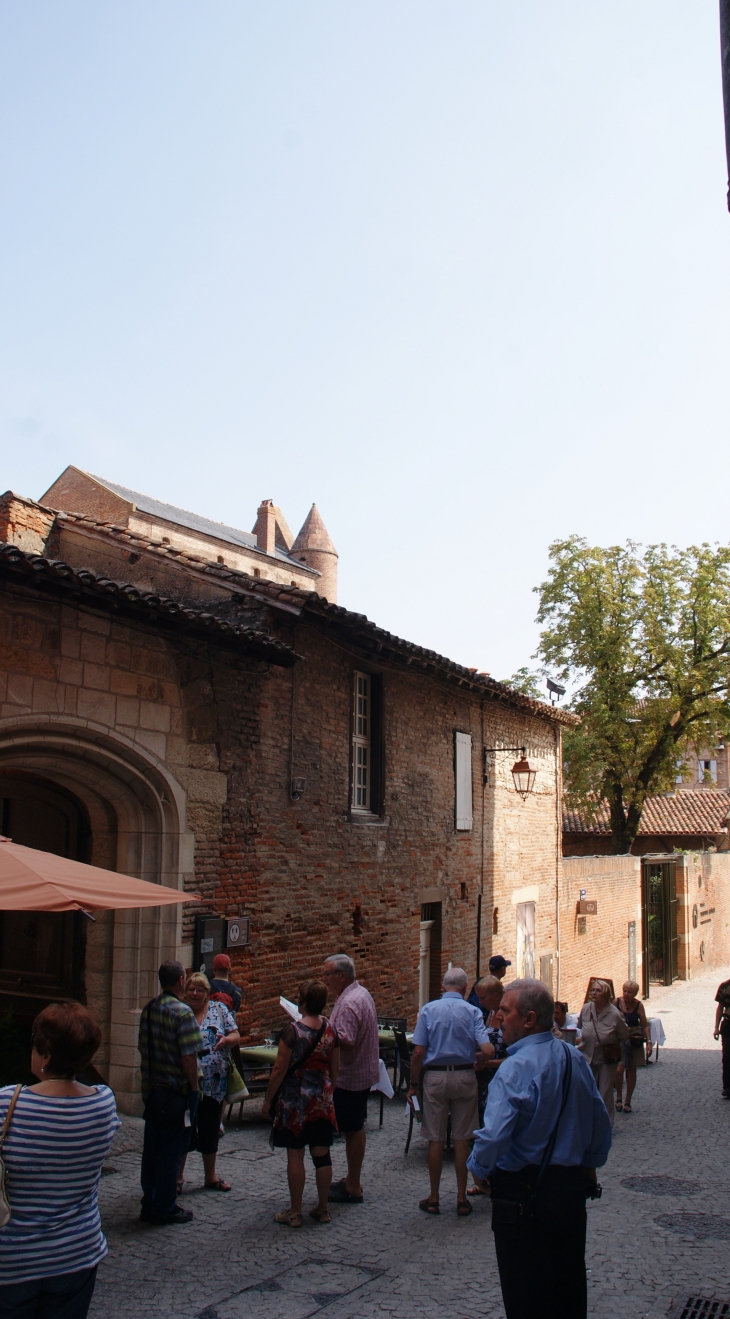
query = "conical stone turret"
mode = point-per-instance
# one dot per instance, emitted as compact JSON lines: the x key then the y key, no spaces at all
{"x":313,"y":546}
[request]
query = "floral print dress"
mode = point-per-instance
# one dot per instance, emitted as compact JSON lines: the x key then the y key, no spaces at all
{"x":306,"y":1094}
{"x":215,"y":1064}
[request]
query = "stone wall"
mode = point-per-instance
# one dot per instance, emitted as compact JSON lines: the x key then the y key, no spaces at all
{"x":703,"y":880}
{"x":614,"y":882}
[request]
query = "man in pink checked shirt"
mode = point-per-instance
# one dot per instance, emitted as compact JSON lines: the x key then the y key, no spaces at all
{"x":356,"y":1021}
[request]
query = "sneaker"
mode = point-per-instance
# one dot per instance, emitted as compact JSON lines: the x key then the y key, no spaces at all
{"x":726,"y":1094}
{"x":178,"y":1215}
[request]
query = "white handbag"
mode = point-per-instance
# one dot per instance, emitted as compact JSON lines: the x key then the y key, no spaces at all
{"x":4,"y":1202}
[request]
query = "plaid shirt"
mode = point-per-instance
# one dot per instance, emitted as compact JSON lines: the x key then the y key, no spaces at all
{"x":356,"y":1021}
{"x":175,"y":1034}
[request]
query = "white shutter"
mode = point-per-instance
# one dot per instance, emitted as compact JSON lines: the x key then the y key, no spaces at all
{"x":462,"y":766}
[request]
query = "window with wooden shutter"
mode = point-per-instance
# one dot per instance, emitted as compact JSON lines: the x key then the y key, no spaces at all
{"x":362,"y":743}
{"x":462,"y":768}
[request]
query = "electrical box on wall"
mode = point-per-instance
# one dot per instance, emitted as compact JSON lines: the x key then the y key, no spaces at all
{"x":216,"y":934}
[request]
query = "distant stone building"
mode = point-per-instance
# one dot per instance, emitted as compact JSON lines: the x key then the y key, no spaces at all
{"x":181,"y":702}
{"x":269,"y":551}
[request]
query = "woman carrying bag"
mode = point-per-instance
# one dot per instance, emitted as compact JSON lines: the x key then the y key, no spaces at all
{"x":632,"y":1050}
{"x":220,"y":1033}
{"x":54,"y":1146}
{"x":603,"y":1032}
{"x":299,"y":1100}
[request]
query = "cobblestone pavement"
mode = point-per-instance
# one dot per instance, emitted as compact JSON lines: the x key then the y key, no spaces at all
{"x":651,"y":1241}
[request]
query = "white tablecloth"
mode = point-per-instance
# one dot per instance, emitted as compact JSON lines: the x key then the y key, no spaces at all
{"x":656,"y":1030}
{"x":383,"y":1082}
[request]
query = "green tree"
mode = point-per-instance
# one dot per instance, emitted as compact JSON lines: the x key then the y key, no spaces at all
{"x":527,"y":682}
{"x":643,"y":639}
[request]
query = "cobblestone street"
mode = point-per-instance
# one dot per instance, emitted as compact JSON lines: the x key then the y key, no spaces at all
{"x":659,"y":1235}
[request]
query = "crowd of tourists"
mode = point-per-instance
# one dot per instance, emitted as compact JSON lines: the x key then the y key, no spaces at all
{"x":527,"y":1089}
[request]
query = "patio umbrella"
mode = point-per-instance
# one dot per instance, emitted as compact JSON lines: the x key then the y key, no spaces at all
{"x":41,"y":881}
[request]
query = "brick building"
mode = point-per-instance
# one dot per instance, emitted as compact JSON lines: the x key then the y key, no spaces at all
{"x":187,"y":708}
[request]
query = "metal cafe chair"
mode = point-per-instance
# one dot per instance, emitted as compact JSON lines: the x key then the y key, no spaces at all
{"x":403,"y":1059}
{"x":404,"y":1075}
{"x":389,"y":1052}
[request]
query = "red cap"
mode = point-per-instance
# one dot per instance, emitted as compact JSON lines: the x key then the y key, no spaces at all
{"x":221,"y":962}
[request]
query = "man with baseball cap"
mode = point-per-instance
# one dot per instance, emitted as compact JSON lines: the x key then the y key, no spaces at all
{"x":222,"y":988}
{"x":498,"y":966}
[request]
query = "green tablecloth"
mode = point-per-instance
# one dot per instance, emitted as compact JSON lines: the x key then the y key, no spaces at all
{"x":258,"y":1055}
{"x":262,"y":1055}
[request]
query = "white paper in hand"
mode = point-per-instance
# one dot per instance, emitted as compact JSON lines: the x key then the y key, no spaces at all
{"x":290,"y":1007}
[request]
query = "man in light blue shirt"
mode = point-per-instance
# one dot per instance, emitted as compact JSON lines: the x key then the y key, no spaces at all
{"x":540,"y":1222}
{"x":449,"y":1033}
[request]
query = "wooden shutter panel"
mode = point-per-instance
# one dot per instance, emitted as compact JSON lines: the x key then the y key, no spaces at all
{"x":462,"y":758}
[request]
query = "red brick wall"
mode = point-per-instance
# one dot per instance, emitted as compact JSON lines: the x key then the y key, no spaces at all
{"x":24,"y":524}
{"x":316,"y":881}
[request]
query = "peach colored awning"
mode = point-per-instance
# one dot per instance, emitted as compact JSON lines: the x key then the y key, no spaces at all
{"x":41,"y":881}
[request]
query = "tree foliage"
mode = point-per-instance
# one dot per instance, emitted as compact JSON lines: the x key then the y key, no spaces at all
{"x":527,"y":682}
{"x":643,"y":638}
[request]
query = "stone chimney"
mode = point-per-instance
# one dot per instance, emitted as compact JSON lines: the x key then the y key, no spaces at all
{"x":265,"y":529}
{"x":314,"y":548}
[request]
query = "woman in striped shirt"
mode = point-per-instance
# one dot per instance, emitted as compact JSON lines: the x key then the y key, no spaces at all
{"x":58,"y":1139}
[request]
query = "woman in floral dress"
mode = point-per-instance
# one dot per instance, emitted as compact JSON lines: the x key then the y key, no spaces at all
{"x":219,"y":1030}
{"x":299,"y":1100}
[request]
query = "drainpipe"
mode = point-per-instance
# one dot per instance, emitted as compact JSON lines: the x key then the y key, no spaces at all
{"x":558,"y":851}
{"x":480,"y":897}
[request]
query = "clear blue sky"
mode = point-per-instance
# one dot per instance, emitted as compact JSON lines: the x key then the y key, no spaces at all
{"x":459,"y":272}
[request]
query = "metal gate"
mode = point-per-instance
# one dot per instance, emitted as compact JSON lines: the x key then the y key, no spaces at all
{"x":659,"y":910}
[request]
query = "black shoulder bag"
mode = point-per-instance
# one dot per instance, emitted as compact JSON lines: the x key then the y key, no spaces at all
{"x":163,"y":1105}
{"x":294,"y":1067}
{"x":519,"y":1212}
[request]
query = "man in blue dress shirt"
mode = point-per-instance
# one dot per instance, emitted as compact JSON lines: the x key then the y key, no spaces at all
{"x":449,"y":1033}
{"x":540,"y":1242}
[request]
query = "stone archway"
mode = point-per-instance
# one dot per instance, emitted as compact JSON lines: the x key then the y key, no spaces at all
{"x":136,"y":819}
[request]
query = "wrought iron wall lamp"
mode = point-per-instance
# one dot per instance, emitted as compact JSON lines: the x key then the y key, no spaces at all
{"x":522,"y":771}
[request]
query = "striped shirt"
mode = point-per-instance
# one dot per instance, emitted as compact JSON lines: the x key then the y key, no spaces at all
{"x":53,"y":1154}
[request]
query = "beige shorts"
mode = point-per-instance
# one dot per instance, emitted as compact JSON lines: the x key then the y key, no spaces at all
{"x":450,"y":1091}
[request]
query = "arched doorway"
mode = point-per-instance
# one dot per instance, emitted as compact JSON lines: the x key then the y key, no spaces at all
{"x":85,"y":792}
{"x":42,"y":953}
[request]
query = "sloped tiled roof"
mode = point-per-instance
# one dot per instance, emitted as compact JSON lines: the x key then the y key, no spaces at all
{"x":359,"y":629}
{"x":182,"y":517}
{"x":690,"y":811}
{"x":124,"y":598}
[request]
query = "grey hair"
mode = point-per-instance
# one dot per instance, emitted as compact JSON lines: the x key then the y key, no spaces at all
{"x":455,"y":976}
{"x":534,"y":996}
{"x":341,"y":962}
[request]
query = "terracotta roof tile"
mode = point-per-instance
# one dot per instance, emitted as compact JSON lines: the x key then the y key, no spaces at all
{"x":690,"y":811}
{"x":129,"y":599}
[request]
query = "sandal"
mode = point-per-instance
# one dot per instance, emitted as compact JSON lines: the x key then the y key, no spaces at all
{"x":320,"y":1215}
{"x":288,"y":1218}
{"x":627,"y":1108}
{"x":476,"y":1190}
{"x":217,"y":1185}
{"x":619,"y":1106}
{"x":430,"y":1206}
{"x":463,"y":1208}
{"x":339,"y":1194}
